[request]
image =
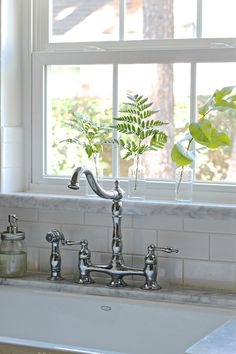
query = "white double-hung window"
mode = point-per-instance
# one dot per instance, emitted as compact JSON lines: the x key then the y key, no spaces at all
{"x":88,"y":55}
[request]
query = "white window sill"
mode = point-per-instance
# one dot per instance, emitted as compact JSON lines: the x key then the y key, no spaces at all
{"x":130,"y":207}
{"x":203,"y":193}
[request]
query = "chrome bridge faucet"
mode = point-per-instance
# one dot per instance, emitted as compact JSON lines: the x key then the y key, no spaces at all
{"x":116,"y":268}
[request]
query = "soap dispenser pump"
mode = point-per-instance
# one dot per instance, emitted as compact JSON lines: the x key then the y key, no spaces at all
{"x":13,"y":254}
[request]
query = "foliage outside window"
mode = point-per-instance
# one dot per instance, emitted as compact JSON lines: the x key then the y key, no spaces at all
{"x":96,"y":67}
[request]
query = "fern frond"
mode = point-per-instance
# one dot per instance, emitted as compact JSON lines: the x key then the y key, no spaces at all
{"x":142,"y":131}
{"x":147,"y":113}
{"x":130,"y":119}
{"x":145,"y":106}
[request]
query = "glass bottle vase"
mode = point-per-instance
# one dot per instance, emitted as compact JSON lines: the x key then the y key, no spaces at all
{"x":136,"y":180}
{"x":183,"y":184}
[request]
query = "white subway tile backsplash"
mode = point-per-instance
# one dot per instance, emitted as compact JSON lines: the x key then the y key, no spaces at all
{"x":44,"y":256}
{"x":207,"y":244}
{"x":106,"y":219}
{"x":33,"y":260}
{"x":136,"y":241}
{"x":61,"y":216}
{"x":12,"y":155}
{"x":223,"y":247}
{"x":96,"y":236}
{"x":189,"y":244}
{"x":69,"y":261}
{"x":159,"y":222}
{"x":12,"y":179}
{"x":209,"y":274}
{"x":210,"y":225}
{"x":98,"y":219}
{"x":170,"y":270}
{"x":135,"y":261}
{"x":35,"y":233}
{"x":23,"y":214}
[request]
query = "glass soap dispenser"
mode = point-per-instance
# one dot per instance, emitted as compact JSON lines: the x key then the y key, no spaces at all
{"x":13,"y":254}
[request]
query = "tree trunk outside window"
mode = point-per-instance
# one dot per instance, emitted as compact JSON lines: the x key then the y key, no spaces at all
{"x":158,"y":23}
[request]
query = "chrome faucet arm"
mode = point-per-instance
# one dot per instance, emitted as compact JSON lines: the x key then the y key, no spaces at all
{"x":116,"y":194}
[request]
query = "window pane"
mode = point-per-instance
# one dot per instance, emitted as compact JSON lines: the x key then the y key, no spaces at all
{"x":160,"y":19}
{"x":79,"y":89}
{"x":82,"y":20}
{"x":217,"y":164}
{"x":218,"y":18}
{"x":167,"y":86}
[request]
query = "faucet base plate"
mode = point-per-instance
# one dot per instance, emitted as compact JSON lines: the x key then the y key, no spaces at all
{"x":115,"y":283}
{"x":56,"y":278}
{"x":151,"y":286}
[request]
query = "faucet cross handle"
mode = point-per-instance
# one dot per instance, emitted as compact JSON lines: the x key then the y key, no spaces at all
{"x":167,"y":249}
{"x":152,"y":248}
{"x":71,"y":243}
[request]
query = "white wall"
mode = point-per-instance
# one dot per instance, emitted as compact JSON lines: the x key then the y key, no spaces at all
{"x":12,"y":163}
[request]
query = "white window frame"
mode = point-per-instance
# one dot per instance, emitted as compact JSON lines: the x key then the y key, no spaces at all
{"x":213,"y":50}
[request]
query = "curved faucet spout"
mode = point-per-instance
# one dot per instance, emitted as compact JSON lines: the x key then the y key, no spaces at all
{"x":116,"y":193}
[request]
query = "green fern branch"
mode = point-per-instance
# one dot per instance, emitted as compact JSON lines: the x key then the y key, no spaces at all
{"x":138,"y":132}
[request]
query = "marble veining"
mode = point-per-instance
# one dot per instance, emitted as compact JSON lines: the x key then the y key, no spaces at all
{"x":146,"y":208}
{"x":220,"y":298}
{"x":221,"y":341}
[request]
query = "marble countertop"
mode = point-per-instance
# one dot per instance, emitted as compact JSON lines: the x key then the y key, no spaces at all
{"x":221,"y":341}
{"x":130,"y":207}
{"x":220,"y":298}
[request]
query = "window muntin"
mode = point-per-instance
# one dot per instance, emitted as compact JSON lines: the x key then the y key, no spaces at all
{"x":111,"y":20}
{"x":118,"y":53}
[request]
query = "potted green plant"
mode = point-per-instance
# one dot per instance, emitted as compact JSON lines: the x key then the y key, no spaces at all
{"x":202,"y":132}
{"x":138,"y":133}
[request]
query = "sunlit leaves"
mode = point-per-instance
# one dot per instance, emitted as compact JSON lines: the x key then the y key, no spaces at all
{"x":181,"y":156}
{"x":203,"y":132}
{"x":221,"y":101}
{"x":88,"y":133}
{"x":136,"y":123}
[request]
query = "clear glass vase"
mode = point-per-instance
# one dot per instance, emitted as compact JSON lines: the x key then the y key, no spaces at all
{"x":184,"y":184}
{"x":136,"y":180}
{"x":94,"y":165}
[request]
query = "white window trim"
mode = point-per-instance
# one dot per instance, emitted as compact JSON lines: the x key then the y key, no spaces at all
{"x":215,"y":50}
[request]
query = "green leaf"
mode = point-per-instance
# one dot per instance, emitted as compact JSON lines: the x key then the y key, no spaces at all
{"x":127,"y":155}
{"x":225,"y":91}
{"x":201,"y":131}
{"x":223,"y":105}
{"x":89,"y":150}
{"x":181,"y":156}
{"x":204,"y":108}
{"x":218,"y":139}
